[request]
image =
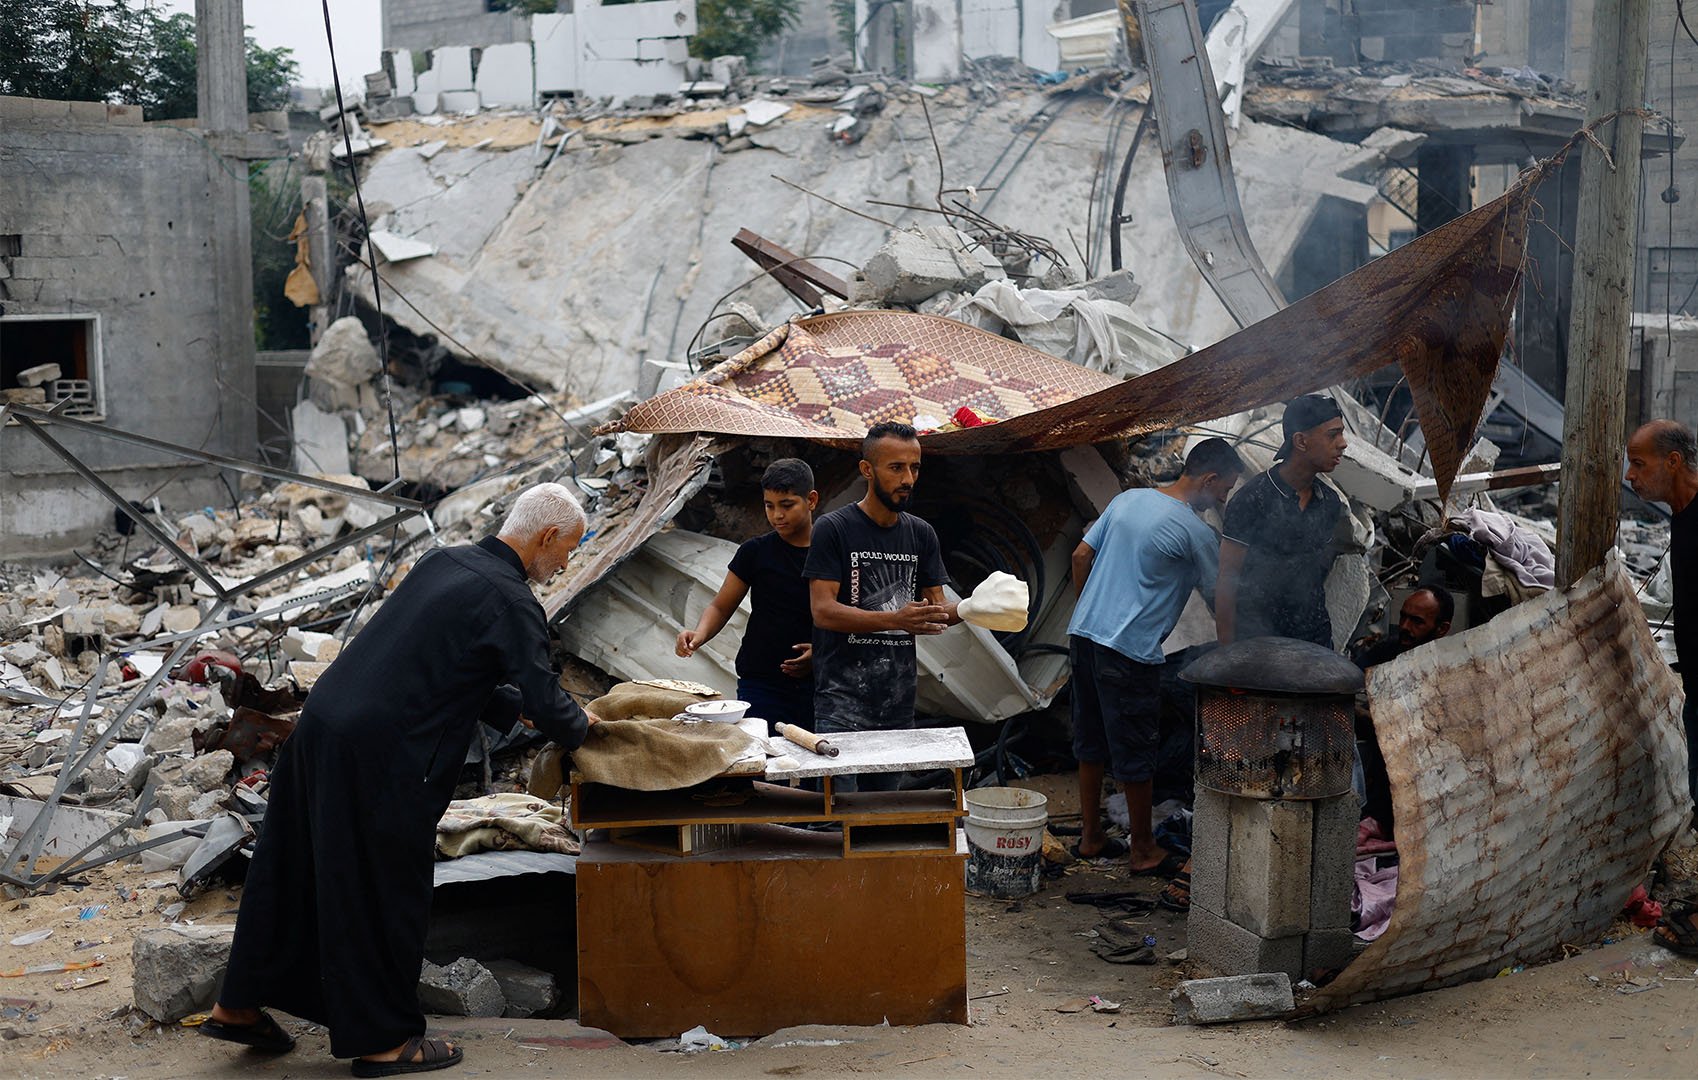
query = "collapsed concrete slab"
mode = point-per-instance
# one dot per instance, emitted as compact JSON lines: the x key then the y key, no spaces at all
{"x":1537,"y":766}
{"x":527,"y":260}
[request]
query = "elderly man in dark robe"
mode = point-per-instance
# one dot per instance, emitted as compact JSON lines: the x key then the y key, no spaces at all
{"x":333,"y":916}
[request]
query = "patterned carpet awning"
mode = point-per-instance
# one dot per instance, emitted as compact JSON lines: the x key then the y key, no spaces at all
{"x":1439,"y":307}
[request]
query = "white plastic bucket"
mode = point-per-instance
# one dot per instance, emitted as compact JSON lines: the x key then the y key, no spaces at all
{"x":1005,"y":841}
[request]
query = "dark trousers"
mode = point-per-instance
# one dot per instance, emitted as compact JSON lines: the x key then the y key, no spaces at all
{"x":779,"y":701}
{"x":1689,"y":717}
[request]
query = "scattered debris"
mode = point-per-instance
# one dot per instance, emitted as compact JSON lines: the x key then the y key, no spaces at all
{"x":463,"y":988}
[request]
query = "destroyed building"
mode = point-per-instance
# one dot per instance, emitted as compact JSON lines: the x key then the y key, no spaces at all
{"x":661,"y":246}
{"x":460,"y":55}
{"x":125,"y":298}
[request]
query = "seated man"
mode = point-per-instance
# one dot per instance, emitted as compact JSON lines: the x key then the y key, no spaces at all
{"x":1425,"y":616}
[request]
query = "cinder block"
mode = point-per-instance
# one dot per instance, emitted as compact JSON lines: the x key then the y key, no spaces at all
{"x":88,"y":112}
{"x":1328,"y":950}
{"x":1223,"y":946}
{"x":1332,"y":874}
{"x":1267,"y":872}
{"x":1211,"y":831}
{"x":1262,"y":996}
{"x":124,"y":114}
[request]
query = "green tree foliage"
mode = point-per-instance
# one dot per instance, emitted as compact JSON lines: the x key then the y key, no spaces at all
{"x":527,"y":7}
{"x":87,"y":50}
{"x":843,"y":14}
{"x":740,"y":27}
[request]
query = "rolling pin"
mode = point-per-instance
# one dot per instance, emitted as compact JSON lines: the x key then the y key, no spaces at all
{"x":807,"y":740}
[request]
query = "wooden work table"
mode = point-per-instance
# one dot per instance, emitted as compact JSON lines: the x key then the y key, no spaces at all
{"x":714,"y":905}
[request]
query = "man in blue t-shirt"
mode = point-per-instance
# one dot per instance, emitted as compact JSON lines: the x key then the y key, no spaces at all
{"x":774,"y":663}
{"x":876,"y":579}
{"x":1135,"y":570}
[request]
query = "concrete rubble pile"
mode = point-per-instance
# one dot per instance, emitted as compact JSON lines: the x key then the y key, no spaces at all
{"x":186,"y":769}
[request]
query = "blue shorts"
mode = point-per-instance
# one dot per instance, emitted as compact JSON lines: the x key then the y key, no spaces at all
{"x":1116,"y":711}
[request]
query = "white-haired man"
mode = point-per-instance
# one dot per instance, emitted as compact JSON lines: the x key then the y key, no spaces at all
{"x":333,"y":916}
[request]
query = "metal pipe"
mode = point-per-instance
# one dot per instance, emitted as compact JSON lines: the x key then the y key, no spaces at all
{"x":252,"y":467}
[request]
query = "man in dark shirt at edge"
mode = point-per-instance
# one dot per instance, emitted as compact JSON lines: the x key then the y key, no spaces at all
{"x":1662,"y":466}
{"x":1277,"y":544}
{"x":775,"y":661}
{"x":875,"y":581}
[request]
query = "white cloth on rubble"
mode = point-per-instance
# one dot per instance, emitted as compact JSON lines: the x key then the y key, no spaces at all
{"x":1103,"y":335}
{"x":1521,"y":551}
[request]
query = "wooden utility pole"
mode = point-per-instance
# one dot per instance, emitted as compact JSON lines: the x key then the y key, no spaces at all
{"x":1605,"y":235}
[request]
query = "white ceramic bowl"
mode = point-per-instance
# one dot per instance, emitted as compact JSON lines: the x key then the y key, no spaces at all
{"x":723,"y":711}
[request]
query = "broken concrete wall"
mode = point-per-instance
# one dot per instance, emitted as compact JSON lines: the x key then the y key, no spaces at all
{"x":616,"y":50}
{"x":594,"y":266}
{"x":104,"y":219}
{"x":1015,"y":28}
{"x":428,"y":24}
{"x":938,"y":35}
{"x":1537,"y":766}
{"x":935,"y":37}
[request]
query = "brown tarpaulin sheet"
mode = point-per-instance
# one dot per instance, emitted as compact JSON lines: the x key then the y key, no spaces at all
{"x":1439,"y":307}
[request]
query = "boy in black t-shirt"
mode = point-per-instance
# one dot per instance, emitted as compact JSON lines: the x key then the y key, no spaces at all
{"x":774,"y":664}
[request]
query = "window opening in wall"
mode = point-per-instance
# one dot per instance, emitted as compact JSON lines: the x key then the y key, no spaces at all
{"x":32,"y":347}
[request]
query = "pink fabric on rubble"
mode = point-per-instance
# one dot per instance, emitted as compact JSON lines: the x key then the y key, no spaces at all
{"x":1371,"y":838}
{"x":1375,"y":892}
{"x":1374,"y":898}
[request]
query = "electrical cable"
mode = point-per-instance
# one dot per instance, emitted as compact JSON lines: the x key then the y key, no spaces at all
{"x":371,"y":249}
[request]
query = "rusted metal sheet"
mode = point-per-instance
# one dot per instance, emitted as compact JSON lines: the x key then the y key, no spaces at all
{"x":747,"y":942}
{"x":677,"y":469}
{"x":1537,"y":766}
{"x":800,"y":277}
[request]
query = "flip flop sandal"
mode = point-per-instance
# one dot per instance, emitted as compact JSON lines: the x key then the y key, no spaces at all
{"x":1169,"y":866}
{"x":1676,"y":931}
{"x":1177,"y":895}
{"x":1113,"y":848}
{"x":264,"y":1034}
{"x":433,"y":1054}
{"x":1111,"y":898}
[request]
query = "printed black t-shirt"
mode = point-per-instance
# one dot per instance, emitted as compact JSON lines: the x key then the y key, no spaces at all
{"x":778,"y":605}
{"x":865,"y":682}
{"x":1290,"y":550}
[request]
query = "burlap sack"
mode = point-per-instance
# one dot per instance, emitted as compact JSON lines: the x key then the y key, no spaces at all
{"x":548,"y":772}
{"x":645,"y":701}
{"x":658,"y":755}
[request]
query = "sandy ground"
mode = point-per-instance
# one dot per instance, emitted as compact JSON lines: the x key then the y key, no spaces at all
{"x":1625,"y":1009}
